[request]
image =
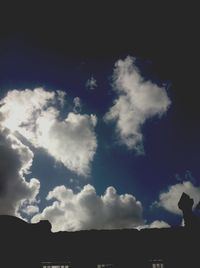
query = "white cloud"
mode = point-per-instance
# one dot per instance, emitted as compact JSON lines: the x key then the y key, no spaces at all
{"x":137,"y":100}
{"x":86,"y":210}
{"x":91,"y":83}
{"x":155,"y":224}
{"x":34,"y":114}
{"x":15,"y":161}
{"x":169,"y":199}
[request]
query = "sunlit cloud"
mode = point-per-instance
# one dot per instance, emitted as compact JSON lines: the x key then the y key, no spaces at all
{"x":137,"y":101}
{"x":85,"y":210}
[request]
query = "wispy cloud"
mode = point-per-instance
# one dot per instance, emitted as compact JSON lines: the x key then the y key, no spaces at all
{"x":91,"y":83}
{"x":77,"y":105}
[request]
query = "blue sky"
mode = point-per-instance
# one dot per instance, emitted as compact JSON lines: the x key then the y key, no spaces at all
{"x":133,"y":171}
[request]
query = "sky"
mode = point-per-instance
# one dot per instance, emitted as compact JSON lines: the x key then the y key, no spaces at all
{"x":99,"y":128}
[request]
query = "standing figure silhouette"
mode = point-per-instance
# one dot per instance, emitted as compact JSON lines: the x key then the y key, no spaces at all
{"x":185,"y":204}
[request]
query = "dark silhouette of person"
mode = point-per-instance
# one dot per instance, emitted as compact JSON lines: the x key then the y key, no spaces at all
{"x":190,"y":219}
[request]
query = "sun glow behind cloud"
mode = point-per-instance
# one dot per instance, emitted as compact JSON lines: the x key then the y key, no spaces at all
{"x":35,"y":115}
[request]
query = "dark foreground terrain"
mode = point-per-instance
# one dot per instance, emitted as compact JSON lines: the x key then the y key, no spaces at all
{"x":33,"y":245}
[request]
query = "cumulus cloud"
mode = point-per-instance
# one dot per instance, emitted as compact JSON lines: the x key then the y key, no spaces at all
{"x":137,"y":101}
{"x":35,"y":115}
{"x":86,"y":210}
{"x":15,"y":162}
{"x":169,"y":199}
{"x":91,"y":83}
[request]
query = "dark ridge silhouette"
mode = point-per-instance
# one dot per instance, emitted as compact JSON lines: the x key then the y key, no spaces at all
{"x":26,"y":245}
